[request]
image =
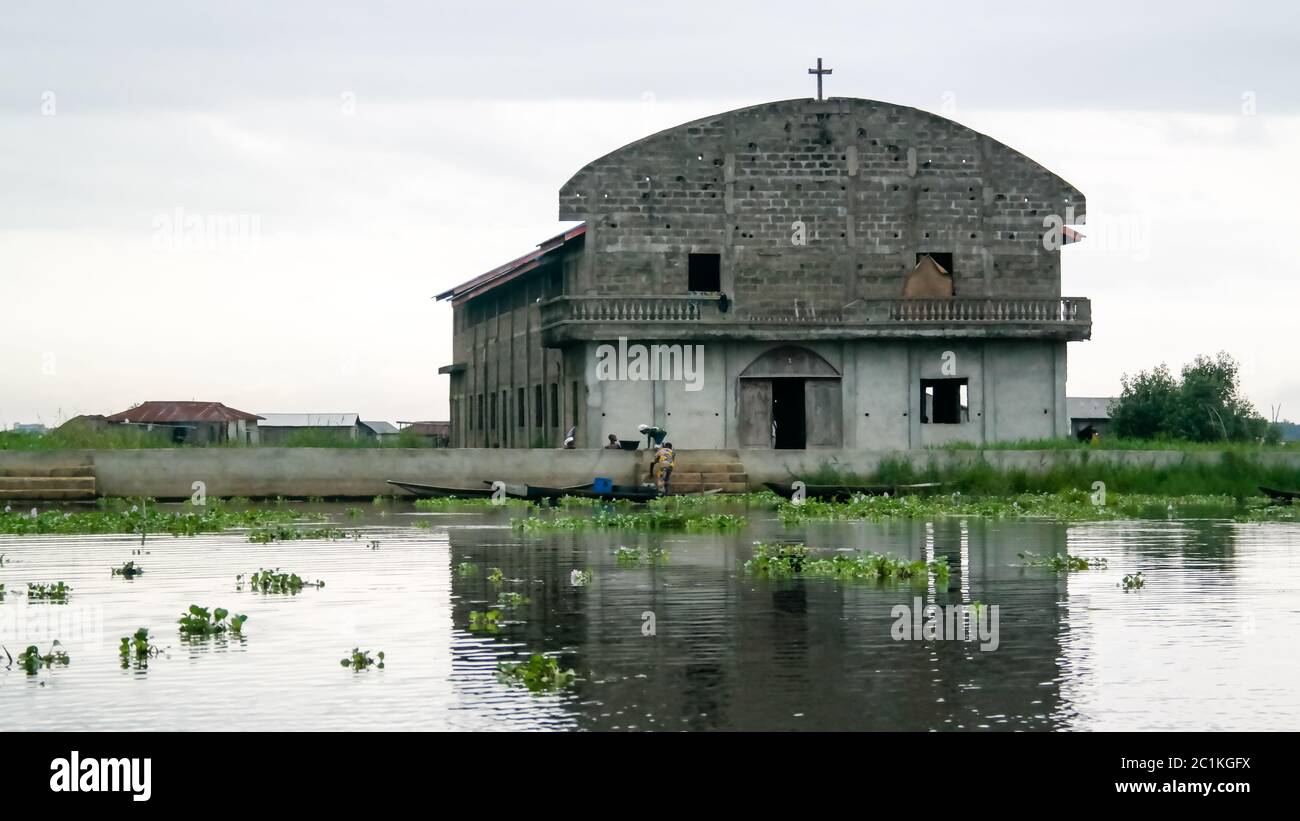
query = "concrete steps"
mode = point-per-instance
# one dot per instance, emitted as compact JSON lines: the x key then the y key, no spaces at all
{"x":48,"y":484}
{"x":703,"y":470}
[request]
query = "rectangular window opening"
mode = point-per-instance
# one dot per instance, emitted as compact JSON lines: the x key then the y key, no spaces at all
{"x":704,"y":272}
{"x":945,"y":401}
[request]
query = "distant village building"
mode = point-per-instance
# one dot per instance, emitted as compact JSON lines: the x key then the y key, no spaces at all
{"x":192,"y":423}
{"x":281,"y":428}
{"x":1090,"y":411}
{"x":434,"y":434}
{"x":30,"y":427}
{"x":840,"y":273}
{"x":382,"y":430}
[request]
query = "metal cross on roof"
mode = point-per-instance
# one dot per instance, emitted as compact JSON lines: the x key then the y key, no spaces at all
{"x":819,"y":71}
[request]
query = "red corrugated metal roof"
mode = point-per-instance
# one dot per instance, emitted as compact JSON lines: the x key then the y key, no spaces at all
{"x":162,"y":413}
{"x":513,"y":268}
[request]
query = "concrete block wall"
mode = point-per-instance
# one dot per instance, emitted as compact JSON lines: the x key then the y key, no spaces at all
{"x":873,"y":183}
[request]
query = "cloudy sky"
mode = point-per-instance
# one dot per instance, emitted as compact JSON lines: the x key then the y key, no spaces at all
{"x":358,"y":159}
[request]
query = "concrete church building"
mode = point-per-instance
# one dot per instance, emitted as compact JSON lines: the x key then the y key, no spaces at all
{"x":838,"y":273}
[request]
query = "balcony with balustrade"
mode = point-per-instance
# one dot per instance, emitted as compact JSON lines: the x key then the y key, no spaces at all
{"x":572,"y":319}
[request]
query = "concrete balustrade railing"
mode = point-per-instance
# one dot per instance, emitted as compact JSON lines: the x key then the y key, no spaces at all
{"x":956,"y":310}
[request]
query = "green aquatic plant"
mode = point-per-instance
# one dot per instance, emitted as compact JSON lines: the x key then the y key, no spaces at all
{"x":199,"y":621}
{"x":360,"y":660}
{"x":32,"y":659}
{"x":45,"y":591}
{"x":715,"y":501}
{"x":1076,"y":505}
{"x":471,"y":502}
{"x":273,"y":581}
{"x":484,"y":621}
{"x":353,"y":512}
{"x":1132,"y":581}
{"x":466,"y":569}
{"x":137,"y":649}
{"x":1061,"y":563}
{"x":537,"y":674}
{"x":647,"y":520}
{"x":509,"y":601}
{"x":422,"y":524}
{"x":635,"y":555}
{"x":288,"y":533}
{"x":587,"y":501}
{"x":784,"y":560}
{"x":495,"y":576}
{"x":777,"y":559}
{"x":118,"y":518}
{"x":128,"y":570}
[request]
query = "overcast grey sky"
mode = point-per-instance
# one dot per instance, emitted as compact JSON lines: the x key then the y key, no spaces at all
{"x":376,"y":155}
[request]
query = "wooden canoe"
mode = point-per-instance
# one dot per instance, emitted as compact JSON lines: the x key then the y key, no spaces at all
{"x":435,"y":491}
{"x":1280,"y":495}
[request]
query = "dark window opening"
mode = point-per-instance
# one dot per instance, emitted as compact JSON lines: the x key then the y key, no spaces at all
{"x":555,"y":405}
{"x":494,"y":411}
{"x":505,"y":414}
{"x":480,"y":411}
{"x":944,"y":401}
{"x":539,"y":410}
{"x":704,"y":272}
{"x":522,"y":409}
{"x":944,"y":258}
{"x":574,"y":409}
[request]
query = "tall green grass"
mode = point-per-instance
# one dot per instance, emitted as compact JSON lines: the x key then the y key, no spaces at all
{"x":1113,"y":443}
{"x":1232,"y":474}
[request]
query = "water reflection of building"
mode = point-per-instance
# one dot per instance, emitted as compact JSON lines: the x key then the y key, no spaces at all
{"x":734,"y":652}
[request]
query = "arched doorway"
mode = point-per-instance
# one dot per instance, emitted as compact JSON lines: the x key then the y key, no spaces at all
{"x":789,"y":397}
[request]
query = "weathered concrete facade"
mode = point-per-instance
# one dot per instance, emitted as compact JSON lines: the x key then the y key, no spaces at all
{"x":778,"y":238}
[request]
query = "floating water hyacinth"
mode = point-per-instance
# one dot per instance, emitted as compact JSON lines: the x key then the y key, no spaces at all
{"x":484,"y":621}
{"x":537,"y":674}
{"x":510,"y":601}
{"x":137,"y":649}
{"x":781,"y":560}
{"x":647,"y":520}
{"x":128,"y":571}
{"x":273,"y":581}
{"x":1132,"y":581}
{"x":634,"y":555}
{"x":199,"y":621}
{"x":360,"y":660}
{"x":32,"y":659}
{"x":44,"y":591}
{"x":1061,"y":563}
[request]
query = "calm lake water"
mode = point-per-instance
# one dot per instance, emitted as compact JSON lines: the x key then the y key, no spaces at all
{"x":1208,"y":644}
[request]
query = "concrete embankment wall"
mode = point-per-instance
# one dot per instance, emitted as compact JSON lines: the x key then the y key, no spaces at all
{"x":362,"y":472}
{"x":783,"y":465}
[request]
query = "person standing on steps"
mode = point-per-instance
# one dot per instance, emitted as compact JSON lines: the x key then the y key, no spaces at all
{"x":664,"y":463}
